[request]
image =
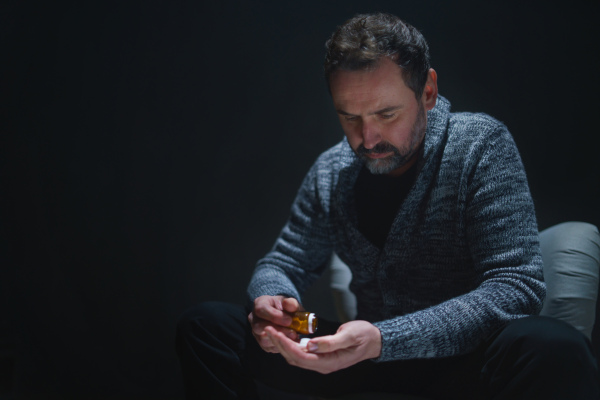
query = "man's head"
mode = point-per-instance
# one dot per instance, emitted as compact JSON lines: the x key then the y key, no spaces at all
{"x":377,"y":68}
{"x":361,"y":42}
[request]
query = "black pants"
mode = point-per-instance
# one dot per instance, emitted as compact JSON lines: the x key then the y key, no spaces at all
{"x":531,"y":358}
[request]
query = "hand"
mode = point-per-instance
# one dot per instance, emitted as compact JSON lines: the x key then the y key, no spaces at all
{"x":354,"y":341}
{"x":273,"y":312}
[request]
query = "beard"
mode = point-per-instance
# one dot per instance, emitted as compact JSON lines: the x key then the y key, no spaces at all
{"x":399,"y":157}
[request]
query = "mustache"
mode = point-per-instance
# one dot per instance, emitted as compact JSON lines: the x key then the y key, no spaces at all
{"x":383,"y":147}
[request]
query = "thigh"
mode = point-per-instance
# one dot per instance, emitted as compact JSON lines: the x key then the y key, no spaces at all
{"x":540,"y":357}
{"x":446,"y":378}
{"x":227,"y":324}
{"x":215,"y":339}
{"x":222,"y":325}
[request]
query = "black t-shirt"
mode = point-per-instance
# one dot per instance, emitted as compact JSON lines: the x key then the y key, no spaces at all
{"x":377,"y":200}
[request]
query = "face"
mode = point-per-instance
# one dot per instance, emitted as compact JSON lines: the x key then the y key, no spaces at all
{"x":380,"y":115}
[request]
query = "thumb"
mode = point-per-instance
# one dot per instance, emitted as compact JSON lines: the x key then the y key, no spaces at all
{"x":290,"y":304}
{"x":331,"y":343}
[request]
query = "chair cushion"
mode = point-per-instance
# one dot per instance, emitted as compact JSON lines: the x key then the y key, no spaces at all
{"x":345,"y":300}
{"x":571,"y":254}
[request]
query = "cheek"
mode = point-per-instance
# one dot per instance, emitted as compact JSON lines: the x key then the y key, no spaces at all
{"x":353,"y":135}
{"x":399,"y":134}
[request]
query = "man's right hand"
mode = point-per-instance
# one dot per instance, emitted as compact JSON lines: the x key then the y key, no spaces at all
{"x":273,"y":311}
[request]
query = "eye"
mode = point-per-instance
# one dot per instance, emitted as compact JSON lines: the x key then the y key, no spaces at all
{"x":387,"y":116}
{"x":350,"y":118}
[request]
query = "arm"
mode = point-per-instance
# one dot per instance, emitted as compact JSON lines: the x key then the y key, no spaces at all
{"x":501,"y":232}
{"x":296,"y":260}
{"x":300,"y":253}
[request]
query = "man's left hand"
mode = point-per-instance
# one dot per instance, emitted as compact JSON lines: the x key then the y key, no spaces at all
{"x":354,"y":341}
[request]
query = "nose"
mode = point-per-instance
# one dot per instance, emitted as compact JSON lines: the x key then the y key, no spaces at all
{"x":370,"y":135}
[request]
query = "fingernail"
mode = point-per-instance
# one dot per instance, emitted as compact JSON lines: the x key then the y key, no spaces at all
{"x":312,"y":346}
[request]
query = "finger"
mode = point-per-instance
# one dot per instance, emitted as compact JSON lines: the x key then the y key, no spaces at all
{"x":266,"y":343}
{"x":279,"y":340}
{"x":258,"y":328}
{"x":275,"y":341}
{"x":328,"y":344}
{"x":256,"y":324}
{"x":297,"y":357}
{"x":273,"y":314}
{"x":280,"y":344}
{"x":270,"y":349}
{"x":263,"y":340}
{"x":291,"y":334}
{"x":289,"y":349}
{"x":269,"y":346}
{"x":291,"y":305}
{"x":288,"y":333}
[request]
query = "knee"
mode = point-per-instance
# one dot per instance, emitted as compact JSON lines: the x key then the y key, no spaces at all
{"x":545,"y":341}
{"x":211,"y":319}
{"x":201,"y":315}
{"x":188,"y":323}
{"x":203,"y":311}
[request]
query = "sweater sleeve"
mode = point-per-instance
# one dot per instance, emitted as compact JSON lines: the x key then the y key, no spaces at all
{"x":501,"y":231}
{"x":299,"y":254}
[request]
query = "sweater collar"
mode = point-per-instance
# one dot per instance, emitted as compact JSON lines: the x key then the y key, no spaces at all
{"x":437,"y":122}
{"x":435,"y":136}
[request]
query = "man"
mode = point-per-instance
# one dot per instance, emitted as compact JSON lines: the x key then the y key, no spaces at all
{"x":432,"y":213}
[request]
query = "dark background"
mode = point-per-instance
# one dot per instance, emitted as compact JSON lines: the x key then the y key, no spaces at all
{"x":150,"y":151}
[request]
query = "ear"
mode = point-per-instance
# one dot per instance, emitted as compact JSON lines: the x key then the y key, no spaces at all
{"x":430,"y":92}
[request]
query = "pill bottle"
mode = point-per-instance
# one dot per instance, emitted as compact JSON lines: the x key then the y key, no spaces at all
{"x":304,"y":322}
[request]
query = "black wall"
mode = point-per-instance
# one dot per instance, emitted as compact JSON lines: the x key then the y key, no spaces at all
{"x":150,"y":150}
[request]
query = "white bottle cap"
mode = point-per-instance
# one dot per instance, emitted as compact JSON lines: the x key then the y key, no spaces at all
{"x":311,"y":318}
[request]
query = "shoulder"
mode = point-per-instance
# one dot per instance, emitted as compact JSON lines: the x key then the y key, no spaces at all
{"x":324,"y":175}
{"x":336,"y":157}
{"x":466,"y":126}
{"x":475,"y":134}
{"x":456,"y":133}
{"x":331,"y":162}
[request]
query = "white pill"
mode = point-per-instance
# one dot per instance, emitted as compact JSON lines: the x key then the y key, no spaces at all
{"x":304,"y":342}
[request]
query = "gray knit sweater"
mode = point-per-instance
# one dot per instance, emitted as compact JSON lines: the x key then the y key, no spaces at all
{"x":462,"y":257}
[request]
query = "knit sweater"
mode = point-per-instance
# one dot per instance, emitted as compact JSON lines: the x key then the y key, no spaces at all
{"x":462,"y":257}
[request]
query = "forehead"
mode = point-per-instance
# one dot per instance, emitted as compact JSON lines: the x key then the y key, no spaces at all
{"x":382,"y":86}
